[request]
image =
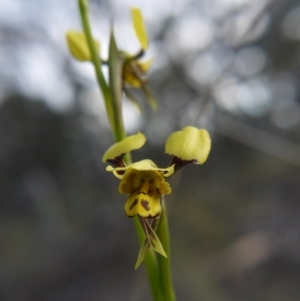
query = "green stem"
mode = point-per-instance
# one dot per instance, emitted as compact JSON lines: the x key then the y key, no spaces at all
{"x":112,"y":97}
{"x":164,"y":264}
{"x":84,"y":14}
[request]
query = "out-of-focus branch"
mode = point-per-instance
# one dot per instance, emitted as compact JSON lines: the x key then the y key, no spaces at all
{"x":268,"y":143}
{"x":251,"y":26}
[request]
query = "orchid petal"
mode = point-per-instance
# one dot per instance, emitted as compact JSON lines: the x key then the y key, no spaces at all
{"x":190,"y":144}
{"x":139,"y":27}
{"x":127,"y":145}
{"x":78,"y":46}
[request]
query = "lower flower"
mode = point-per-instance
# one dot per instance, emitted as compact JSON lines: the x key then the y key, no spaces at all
{"x":145,"y":183}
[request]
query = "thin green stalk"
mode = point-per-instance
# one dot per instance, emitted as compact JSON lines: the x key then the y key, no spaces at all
{"x":112,"y":98}
{"x":164,"y":264}
{"x":84,"y":14}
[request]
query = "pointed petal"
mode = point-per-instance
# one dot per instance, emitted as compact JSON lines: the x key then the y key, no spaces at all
{"x":145,"y":66}
{"x":150,"y":98}
{"x":154,"y":240}
{"x":139,"y":27}
{"x":147,"y":242}
{"x":146,"y":245}
{"x":78,"y":45}
{"x":142,"y":253}
{"x":132,"y":80}
{"x":130,"y":96}
{"x":190,"y":144}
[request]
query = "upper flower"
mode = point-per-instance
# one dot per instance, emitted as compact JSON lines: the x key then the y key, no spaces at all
{"x":143,"y":181}
{"x":134,"y":71}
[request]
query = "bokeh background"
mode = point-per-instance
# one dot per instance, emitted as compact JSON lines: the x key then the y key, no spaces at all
{"x":231,"y":66}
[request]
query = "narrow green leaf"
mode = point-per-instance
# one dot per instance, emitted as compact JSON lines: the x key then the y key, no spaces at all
{"x":115,"y":63}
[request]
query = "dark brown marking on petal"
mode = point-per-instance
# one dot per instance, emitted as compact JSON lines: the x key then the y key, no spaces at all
{"x":134,"y":203}
{"x":152,"y":216}
{"x":118,"y":162}
{"x":150,"y":191}
{"x":142,"y":192}
{"x":145,"y":205}
{"x":137,"y":56}
{"x":151,"y":186}
{"x":179,"y":163}
{"x":120,"y":172}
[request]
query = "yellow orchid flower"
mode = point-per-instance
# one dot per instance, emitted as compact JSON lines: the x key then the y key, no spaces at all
{"x":134,"y":71}
{"x":145,"y":183}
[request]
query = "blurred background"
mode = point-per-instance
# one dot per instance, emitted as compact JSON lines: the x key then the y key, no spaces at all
{"x":231,"y":66}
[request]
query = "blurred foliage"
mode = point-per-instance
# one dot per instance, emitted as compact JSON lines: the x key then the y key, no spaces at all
{"x":233,"y":68}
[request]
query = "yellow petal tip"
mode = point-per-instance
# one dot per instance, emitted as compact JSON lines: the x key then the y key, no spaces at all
{"x":139,"y":27}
